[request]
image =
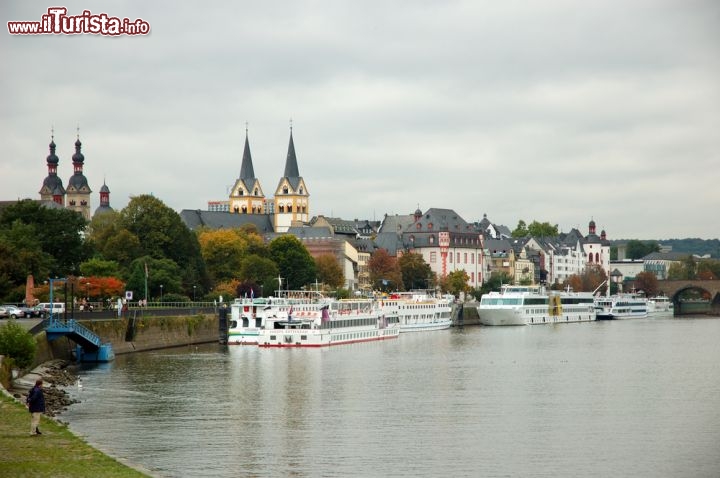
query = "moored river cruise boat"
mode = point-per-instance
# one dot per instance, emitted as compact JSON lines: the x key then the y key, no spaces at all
{"x":621,"y":306}
{"x":249,"y":315}
{"x":337,"y":322}
{"x":419,"y":311}
{"x":532,"y":305}
{"x":660,"y":306}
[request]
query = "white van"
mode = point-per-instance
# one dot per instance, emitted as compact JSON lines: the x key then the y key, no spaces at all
{"x":45,"y":308}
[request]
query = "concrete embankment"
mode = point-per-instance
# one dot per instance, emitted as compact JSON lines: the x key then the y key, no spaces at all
{"x":136,"y":334}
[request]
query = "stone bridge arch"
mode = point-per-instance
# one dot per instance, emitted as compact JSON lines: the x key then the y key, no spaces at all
{"x":673,"y":289}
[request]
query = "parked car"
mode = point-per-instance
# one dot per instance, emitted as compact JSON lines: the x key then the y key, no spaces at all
{"x":31,"y":312}
{"x":57,"y":308}
{"x":12,"y":311}
{"x":4,"y":314}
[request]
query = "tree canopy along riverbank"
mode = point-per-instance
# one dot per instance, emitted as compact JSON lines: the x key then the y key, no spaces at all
{"x":55,"y":453}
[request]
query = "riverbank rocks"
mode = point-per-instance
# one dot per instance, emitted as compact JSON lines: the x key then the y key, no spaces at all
{"x":55,"y":374}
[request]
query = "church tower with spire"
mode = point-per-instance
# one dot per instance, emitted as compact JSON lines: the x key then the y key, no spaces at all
{"x":246,"y":196}
{"x":292,"y":201}
{"x":104,"y":201}
{"x":52,"y":188}
{"x":78,"y":190}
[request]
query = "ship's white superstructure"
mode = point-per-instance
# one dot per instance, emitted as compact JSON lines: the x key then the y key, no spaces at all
{"x":532,"y":305}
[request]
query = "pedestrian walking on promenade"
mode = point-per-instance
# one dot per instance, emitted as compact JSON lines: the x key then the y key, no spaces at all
{"x":36,"y":405}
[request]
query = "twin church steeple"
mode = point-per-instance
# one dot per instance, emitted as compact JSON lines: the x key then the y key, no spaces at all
{"x":291,"y":202}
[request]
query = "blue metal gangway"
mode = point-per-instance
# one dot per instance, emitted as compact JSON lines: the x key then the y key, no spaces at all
{"x":89,"y":345}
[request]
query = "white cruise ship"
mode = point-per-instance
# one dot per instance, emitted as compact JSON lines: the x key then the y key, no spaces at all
{"x":337,"y":322}
{"x":532,"y":305}
{"x":249,"y":315}
{"x":419,"y":311}
{"x":621,"y":306}
{"x":660,"y":306}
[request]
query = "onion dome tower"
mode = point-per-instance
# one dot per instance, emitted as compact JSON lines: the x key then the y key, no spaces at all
{"x":52,"y":188}
{"x":246,"y":196}
{"x":104,"y":200}
{"x":292,"y":200}
{"x":78,"y":190}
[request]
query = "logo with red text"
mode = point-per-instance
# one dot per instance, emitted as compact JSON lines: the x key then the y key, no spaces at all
{"x":57,"y":22}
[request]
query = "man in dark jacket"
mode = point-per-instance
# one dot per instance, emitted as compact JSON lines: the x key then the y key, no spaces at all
{"x":36,"y":405}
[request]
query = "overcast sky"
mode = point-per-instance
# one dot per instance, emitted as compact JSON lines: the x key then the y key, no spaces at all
{"x":557,"y":111}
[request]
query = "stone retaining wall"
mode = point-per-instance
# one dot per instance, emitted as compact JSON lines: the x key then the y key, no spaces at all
{"x":148,"y":333}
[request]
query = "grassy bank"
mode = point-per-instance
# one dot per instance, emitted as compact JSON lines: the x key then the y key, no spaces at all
{"x":56,"y":453}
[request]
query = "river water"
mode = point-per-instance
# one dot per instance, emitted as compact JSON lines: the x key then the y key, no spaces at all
{"x":636,"y":398}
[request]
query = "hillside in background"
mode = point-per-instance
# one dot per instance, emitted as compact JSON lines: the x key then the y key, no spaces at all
{"x":694,"y":246}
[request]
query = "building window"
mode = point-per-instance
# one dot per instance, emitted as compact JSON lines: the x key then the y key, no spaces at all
{"x":282,"y":208}
{"x":431,"y":239}
{"x":466,"y":258}
{"x":472,"y":277}
{"x":457,"y":258}
{"x":417,"y":226}
{"x":255,"y":192}
{"x":472,"y":258}
{"x":290,"y":208}
{"x":433,"y":257}
{"x":450,"y":256}
{"x":241,"y":192}
{"x":285,"y":189}
{"x":430,"y":225}
{"x":301,"y":190}
{"x":597,"y":257}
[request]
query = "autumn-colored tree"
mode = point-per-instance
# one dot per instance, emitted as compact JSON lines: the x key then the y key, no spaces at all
{"x":223,"y":251}
{"x":385,"y":271}
{"x":416,"y":273}
{"x":648,"y":283}
{"x":592,"y":277}
{"x":329,"y":271}
{"x":575,"y":283}
{"x":455,"y":282}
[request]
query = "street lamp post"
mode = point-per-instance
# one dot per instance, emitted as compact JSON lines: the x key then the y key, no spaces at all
{"x":161,"y":293}
{"x":194,"y":288}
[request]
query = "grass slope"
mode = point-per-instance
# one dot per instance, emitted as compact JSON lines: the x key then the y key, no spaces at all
{"x":56,"y":453}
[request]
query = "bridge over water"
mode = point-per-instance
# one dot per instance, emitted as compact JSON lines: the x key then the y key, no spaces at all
{"x":708,"y":288}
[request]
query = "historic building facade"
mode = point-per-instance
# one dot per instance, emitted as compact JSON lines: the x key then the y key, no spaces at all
{"x":77,"y":195}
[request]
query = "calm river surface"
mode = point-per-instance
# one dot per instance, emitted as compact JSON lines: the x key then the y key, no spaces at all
{"x":635,"y":398}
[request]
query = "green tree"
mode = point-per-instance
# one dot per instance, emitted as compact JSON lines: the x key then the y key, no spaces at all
{"x":261,"y":271}
{"x":329,"y":271}
{"x":384,"y":271}
{"x":544,"y":229}
{"x":295,"y":263}
{"x":17,"y":343}
{"x":639,"y":249}
{"x":100,"y":268}
{"x":676,"y":271}
{"x":58,"y":231}
{"x":521,"y":230}
{"x":495,"y":282}
{"x":163,"y":235}
{"x":416,"y":273}
{"x":159,"y":271}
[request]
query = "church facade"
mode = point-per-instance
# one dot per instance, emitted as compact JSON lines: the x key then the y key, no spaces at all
{"x":248,"y":203}
{"x":76,"y":196}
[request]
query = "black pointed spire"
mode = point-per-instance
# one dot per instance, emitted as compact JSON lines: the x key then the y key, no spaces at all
{"x":246,"y":169}
{"x":291,"y":167}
